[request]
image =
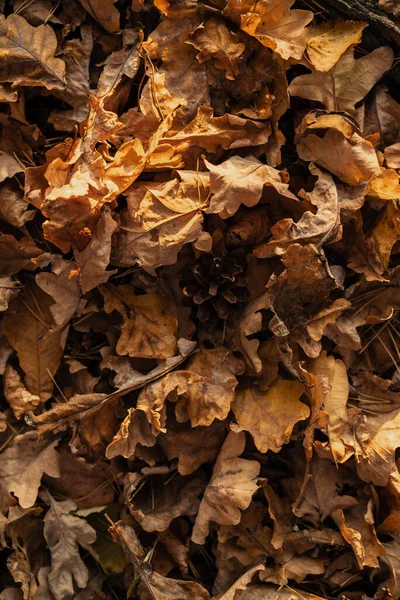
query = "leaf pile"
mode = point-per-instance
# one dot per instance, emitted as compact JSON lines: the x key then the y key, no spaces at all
{"x":199,"y":344}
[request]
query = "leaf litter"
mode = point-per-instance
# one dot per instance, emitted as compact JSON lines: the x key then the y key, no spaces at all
{"x":199,"y":275}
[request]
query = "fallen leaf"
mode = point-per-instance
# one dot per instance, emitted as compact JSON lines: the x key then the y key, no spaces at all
{"x":179,"y":498}
{"x":241,"y":180}
{"x":231,"y":488}
{"x":149,"y":324}
{"x":104,"y":12}
{"x":9,"y":165}
{"x":347,"y":82}
{"x":9,"y":288}
{"x":270,"y":416}
{"x":218,"y":44}
{"x":63,"y":532}
{"x":327,"y":42}
{"x":16,"y":394}
{"x":13,"y":207}
{"x":63,"y":286}
{"x":22,"y":468}
{"x":274,"y":25}
{"x":211,"y":133}
{"x":28,"y":326}
{"x":94,"y":259}
{"x":159,"y":220}
{"x":28,"y":54}
{"x":16,"y":255}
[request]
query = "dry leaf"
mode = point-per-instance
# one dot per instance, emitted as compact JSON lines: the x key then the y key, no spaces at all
{"x":63,"y":532}
{"x":328,"y":41}
{"x":241,"y":180}
{"x":28,"y":55}
{"x":22,"y":468}
{"x":9,"y":166}
{"x":271,"y":415}
{"x":16,"y":394}
{"x":274,"y":25}
{"x":29,"y":328}
{"x":231,"y":488}
{"x":149,"y":324}
{"x":104,"y":12}
{"x":218,"y":44}
{"x":347,"y":82}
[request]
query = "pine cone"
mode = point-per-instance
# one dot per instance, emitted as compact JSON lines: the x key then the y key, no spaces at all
{"x":216,"y":283}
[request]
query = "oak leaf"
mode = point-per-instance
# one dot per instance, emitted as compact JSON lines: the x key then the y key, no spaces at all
{"x":63,"y":286}
{"x":327,"y":42}
{"x":269,"y":416}
{"x":16,"y":255}
{"x":63,"y":532}
{"x":104,"y":12}
{"x":202,"y":392}
{"x":159,"y":220}
{"x":16,"y":394}
{"x":13,"y":207}
{"x":241,"y":180}
{"x":27,"y":54}
{"x":149,"y":326}
{"x":28,"y":326}
{"x":192,"y":446}
{"x":347,"y":82}
{"x":218,"y":44}
{"x":335,"y":405}
{"x":94,"y":259}
{"x":319,"y":228}
{"x":228,"y":132}
{"x":273,"y":24}
{"x":230,"y":489}
{"x":179,"y":498}
{"x":9,"y":166}
{"x":22,"y":468}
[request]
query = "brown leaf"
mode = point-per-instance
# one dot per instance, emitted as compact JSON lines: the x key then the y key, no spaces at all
{"x":356,"y":526}
{"x":159,"y":220}
{"x":335,"y":405}
{"x":177,"y":83}
{"x":350,"y":157}
{"x":22,"y":467}
{"x":327,"y":42}
{"x":211,"y":133}
{"x":118,"y":65}
{"x":16,"y":394}
{"x":231,"y":488}
{"x":158,"y":587}
{"x":76,"y":54}
{"x":347,"y":82}
{"x":94,"y":259}
{"x":241,"y":180}
{"x":149,"y":324}
{"x":17,"y":255}
{"x":28,"y":327}
{"x":295,"y":294}
{"x":273,"y":24}
{"x":271,"y":415}
{"x":192,"y":446}
{"x":178,"y":498}
{"x":13,"y":207}
{"x":9,"y":165}
{"x":63,"y":533}
{"x":9,"y":288}
{"x":63,"y":286}
{"x":104,"y":12}
{"x":28,"y":54}
{"x":241,"y":583}
{"x":218,"y":44}
{"x":376,"y":441}
{"x":319,"y":228}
